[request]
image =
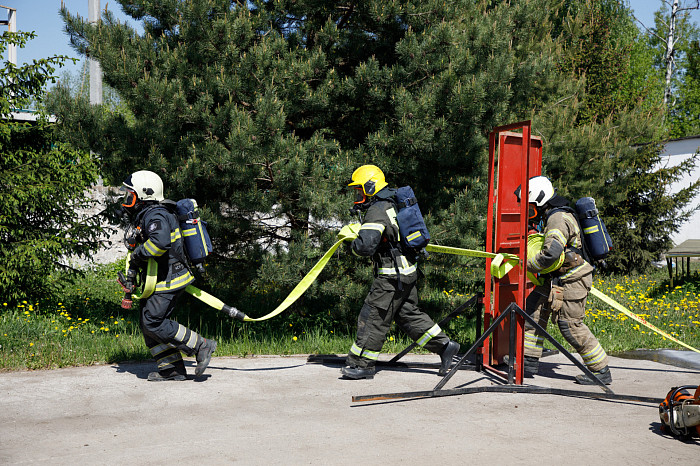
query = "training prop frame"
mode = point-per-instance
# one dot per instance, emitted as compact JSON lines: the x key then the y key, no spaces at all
{"x":512,"y":314}
{"x":514,"y":157}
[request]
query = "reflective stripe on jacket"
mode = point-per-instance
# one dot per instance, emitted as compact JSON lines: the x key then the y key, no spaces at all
{"x":379,"y":235}
{"x":561,"y":234}
{"x":163,"y":243}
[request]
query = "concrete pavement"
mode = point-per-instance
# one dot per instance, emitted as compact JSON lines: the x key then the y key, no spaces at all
{"x":282,"y":410}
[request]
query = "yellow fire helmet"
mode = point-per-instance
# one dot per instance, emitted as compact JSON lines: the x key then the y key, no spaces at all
{"x":368,"y":178}
{"x":534,"y":245}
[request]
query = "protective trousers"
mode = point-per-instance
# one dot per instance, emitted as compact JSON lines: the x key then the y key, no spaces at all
{"x":166,"y":338}
{"x":384,"y":304}
{"x":570,"y":322}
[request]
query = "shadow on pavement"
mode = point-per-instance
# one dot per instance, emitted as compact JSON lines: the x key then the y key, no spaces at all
{"x":142,"y":369}
{"x":656,"y":428}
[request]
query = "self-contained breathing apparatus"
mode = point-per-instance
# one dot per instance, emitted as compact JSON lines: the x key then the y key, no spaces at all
{"x":144,"y":190}
{"x":197,"y":242}
{"x":368,"y":180}
{"x":596,"y":242}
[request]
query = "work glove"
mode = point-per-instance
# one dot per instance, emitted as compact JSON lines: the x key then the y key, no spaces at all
{"x":349,"y":232}
{"x":233,"y":312}
{"x":556,"y":300}
{"x":502,"y":264}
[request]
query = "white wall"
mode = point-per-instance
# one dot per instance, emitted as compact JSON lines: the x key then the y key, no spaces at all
{"x":675,"y":152}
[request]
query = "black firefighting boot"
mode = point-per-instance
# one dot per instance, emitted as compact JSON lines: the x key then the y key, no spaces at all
{"x":604,"y":375}
{"x":448,"y":353}
{"x":204,"y":351}
{"x":356,"y":373}
{"x":532,"y":364}
{"x":172,"y":374}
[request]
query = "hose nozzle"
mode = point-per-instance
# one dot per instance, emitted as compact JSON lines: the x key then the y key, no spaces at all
{"x":233,"y":312}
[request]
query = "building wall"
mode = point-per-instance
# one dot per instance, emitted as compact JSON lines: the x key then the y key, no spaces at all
{"x":675,"y":152}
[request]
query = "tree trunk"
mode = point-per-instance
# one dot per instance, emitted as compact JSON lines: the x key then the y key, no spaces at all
{"x":670,"y":49}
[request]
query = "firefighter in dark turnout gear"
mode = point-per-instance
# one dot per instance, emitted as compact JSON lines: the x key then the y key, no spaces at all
{"x":393,"y":295}
{"x":564,"y":291}
{"x":158,"y":238}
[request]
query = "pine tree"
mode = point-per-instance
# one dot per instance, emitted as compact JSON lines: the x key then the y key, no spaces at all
{"x":261,"y":110}
{"x":607,"y":144}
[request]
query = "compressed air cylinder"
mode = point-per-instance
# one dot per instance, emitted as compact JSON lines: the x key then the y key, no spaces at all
{"x":194,"y":231}
{"x":595,"y":235}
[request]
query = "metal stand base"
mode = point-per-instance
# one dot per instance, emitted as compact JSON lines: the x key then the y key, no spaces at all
{"x":512,"y":311}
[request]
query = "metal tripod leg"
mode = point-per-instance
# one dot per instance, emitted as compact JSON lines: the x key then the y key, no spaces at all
{"x":472,"y":302}
{"x":475,"y":346}
{"x":512,"y":310}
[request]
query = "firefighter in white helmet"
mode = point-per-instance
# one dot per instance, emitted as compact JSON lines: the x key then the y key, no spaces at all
{"x":157,"y":236}
{"x":564,"y":291}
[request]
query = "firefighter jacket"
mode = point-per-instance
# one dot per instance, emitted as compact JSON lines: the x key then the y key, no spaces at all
{"x":379,"y":239}
{"x":562,"y":234}
{"x":161,"y":240}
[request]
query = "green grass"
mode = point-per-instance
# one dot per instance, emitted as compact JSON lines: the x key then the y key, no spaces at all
{"x":675,"y":311}
{"x":88,"y":327}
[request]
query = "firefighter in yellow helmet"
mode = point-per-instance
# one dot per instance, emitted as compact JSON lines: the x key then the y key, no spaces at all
{"x":393,"y":295}
{"x":564,"y":291}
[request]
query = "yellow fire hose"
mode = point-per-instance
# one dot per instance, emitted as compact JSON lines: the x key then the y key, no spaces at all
{"x":302,"y":286}
{"x":151,"y":277}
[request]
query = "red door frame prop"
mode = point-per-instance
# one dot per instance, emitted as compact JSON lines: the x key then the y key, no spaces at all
{"x":512,"y":165}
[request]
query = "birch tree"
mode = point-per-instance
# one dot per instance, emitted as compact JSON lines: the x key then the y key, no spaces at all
{"x":668,"y":32}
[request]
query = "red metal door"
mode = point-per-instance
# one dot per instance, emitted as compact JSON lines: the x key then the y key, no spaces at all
{"x":512,"y":163}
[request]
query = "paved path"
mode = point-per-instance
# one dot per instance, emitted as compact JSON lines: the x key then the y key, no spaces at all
{"x":281,"y":410}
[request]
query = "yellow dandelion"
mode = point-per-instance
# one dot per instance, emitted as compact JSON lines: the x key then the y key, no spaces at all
{"x":294,"y":338}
